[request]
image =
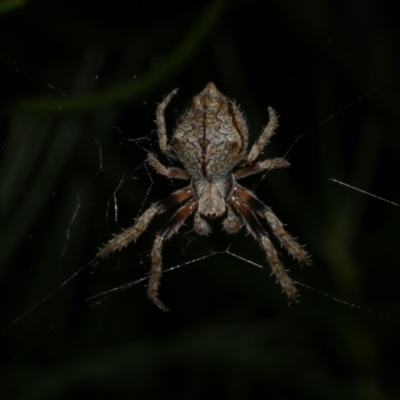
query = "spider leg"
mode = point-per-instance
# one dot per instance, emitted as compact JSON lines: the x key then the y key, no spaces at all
{"x":176,"y":173}
{"x":161,"y":127}
{"x":261,"y":166}
{"x":268,"y":131}
{"x":232,"y":223}
{"x":255,"y":228}
{"x":200,"y":225}
{"x":132,"y":233}
{"x":171,"y":227}
{"x":276,"y":225}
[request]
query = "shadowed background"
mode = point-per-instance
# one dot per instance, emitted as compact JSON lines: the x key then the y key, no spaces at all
{"x":80,"y":83}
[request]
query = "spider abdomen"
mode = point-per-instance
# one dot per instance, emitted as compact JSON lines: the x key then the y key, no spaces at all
{"x":211,"y":137}
{"x":211,"y":141}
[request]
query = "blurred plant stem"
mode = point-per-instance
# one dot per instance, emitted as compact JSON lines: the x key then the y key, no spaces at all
{"x":131,"y":90}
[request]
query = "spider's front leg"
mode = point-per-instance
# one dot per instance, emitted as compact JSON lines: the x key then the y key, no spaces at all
{"x":172,"y":227}
{"x":200,"y":225}
{"x":258,"y":232}
{"x":291,"y":245}
{"x":132,"y":233}
{"x":232,"y":222}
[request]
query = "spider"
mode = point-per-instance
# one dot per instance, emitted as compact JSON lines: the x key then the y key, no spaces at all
{"x":210,"y":140}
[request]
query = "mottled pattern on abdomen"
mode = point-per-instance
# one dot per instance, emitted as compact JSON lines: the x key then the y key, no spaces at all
{"x":211,"y":137}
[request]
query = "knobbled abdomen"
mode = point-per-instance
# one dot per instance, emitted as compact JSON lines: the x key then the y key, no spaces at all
{"x":211,"y":145}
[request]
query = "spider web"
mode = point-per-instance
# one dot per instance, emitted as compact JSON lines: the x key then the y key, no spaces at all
{"x":195,"y":267}
{"x":113,"y":222}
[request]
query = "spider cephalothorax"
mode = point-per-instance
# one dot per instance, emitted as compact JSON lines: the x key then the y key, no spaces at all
{"x":210,"y":140}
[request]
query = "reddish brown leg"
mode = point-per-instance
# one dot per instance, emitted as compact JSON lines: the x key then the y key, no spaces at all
{"x":258,"y":232}
{"x":171,"y":227}
{"x":132,"y":233}
{"x":276,"y":225}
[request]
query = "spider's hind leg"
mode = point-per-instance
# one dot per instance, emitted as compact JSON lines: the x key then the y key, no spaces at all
{"x":165,"y":147}
{"x":268,"y":131}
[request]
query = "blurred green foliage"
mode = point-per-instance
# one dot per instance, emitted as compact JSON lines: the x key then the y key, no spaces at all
{"x":80,"y":84}
{"x":9,"y":5}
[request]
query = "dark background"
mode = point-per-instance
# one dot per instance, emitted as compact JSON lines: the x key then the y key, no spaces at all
{"x":80,"y":82}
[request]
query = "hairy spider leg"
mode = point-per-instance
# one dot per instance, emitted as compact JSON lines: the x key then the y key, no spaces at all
{"x":268,"y":131}
{"x":258,"y":232}
{"x":162,"y":129}
{"x":287,"y":241}
{"x":260,"y":167}
{"x":170,"y":228}
{"x":169,"y":172}
{"x":232,"y":223}
{"x":132,"y":233}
